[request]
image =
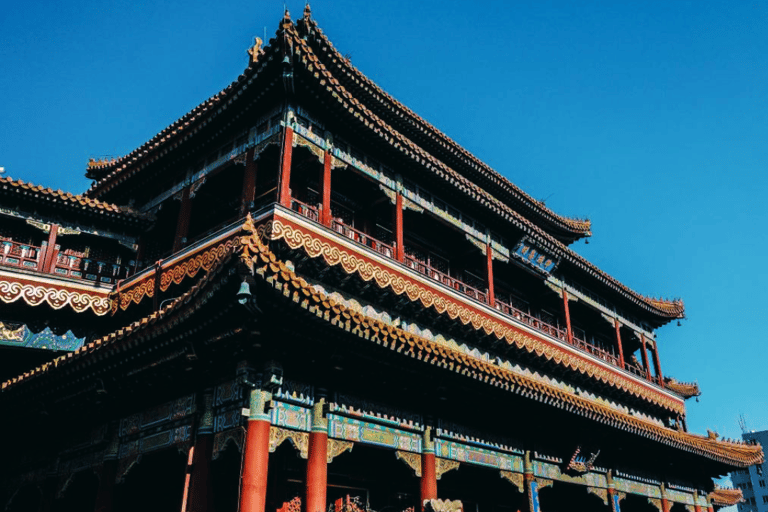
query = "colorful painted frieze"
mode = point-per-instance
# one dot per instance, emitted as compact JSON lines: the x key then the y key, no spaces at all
{"x":291,"y":416}
{"x":350,"y":429}
{"x":479,"y":456}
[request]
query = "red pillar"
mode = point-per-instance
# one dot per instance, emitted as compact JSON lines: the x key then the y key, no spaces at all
{"x":618,"y":342}
{"x":253,"y":495}
{"x":531,"y":485}
{"x":644,"y":353}
{"x":665,"y":505}
{"x":400,"y":248}
{"x":107,"y":476}
{"x":567,"y":316}
{"x":285,"y":168}
{"x":489,"y":274}
{"x":105,"y":493}
{"x":182,"y":226}
{"x":249,"y":183}
{"x":51,"y":252}
{"x":325,"y":204}
{"x":657,"y":364}
{"x":317,"y":464}
{"x":200,"y":496}
{"x":428,"y":477}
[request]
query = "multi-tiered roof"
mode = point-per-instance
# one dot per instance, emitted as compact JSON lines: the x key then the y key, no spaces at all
{"x":300,"y":66}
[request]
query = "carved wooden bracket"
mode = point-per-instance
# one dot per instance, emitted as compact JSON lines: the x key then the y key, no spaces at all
{"x":544,"y":482}
{"x":222,"y":439}
{"x":413,"y":460}
{"x":444,"y":465}
{"x":517,"y":479}
{"x":299,"y":440}
{"x":600,"y":493}
{"x":300,"y":141}
{"x":656,"y":502}
{"x":336,"y":448}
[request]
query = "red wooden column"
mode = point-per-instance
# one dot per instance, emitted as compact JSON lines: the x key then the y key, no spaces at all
{"x":618,"y":342}
{"x":399,"y":247}
{"x":325,"y":201}
{"x":489,"y":273}
{"x":657,"y":364}
{"x":567,"y":313}
{"x":317,"y":463}
{"x":200,"y":496}
{"x":531,"y":485}
{"x":613,"y":497}
{"x":644,"y":353}
{"x":253,"y":495}
{"x":285,"y":168}
{"x":50,"y":252}
{"x":665,"y":504}
{"x":108,"y":474}
{"x":182,"y":226}
{"x":249,"y":183}
{"x":428,"y":469}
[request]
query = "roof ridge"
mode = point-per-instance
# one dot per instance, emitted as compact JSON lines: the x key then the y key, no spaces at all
{"x":669,"y":309}
{"x":581,"y":226}
{"x":69,"y":197}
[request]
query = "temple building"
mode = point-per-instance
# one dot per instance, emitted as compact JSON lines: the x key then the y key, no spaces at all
{"x":301,"y":296}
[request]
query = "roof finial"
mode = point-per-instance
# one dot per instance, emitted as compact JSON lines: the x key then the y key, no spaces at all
{"x":255,"y":50}
{"x":307,"y":11}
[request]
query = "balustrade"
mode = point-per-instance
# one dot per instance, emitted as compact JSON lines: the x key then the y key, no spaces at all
{"x":67,"y":264}
{"x":536,"y":323}
{"x":20,"y":255}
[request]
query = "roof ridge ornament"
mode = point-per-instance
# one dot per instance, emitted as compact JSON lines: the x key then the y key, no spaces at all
{"x":255,"y":51}
{"x":307,"y":11}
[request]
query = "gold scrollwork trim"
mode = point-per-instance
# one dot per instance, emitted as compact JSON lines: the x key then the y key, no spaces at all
{"x":656,"y":502}
{"x":204,"y":260}
{"x":56,"y":298}
{"x":413,"y":460}
{"x":444,"y":465}
{"x":337,"y":447}
{"x":544,"y":482}
{"x":299,"y":440}
{"x":352,"y":263}
{"x":517,"y":479}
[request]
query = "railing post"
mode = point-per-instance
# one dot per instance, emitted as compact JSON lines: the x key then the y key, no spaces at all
{"x":489,"y":272}
{"x":249,"y":183}
{"x":657,"y":364}
{"x":285,"y":168}
{"x":644,"y":354}
{"x":567,"y":313}
{"x":618,"y":342}
{"x":182,"y":225}
{"x":50,"y":252}
{"x":325,"y":204}
{"x":399,"y":249}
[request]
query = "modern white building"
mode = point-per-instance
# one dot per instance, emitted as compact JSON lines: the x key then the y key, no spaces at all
{"x":752,"y":481}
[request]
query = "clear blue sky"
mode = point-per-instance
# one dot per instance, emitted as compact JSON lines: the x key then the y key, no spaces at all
{"x":650,"y":118}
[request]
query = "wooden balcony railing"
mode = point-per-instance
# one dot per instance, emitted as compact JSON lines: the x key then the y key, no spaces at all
{"x":361,"y":238}
{"x":447,"y":280}
{"x":19,"y":255}
{"x":311,"y":212}
{"x":76,"y":265}
{"x":306,"y":210}
{"x":67,"y":263}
